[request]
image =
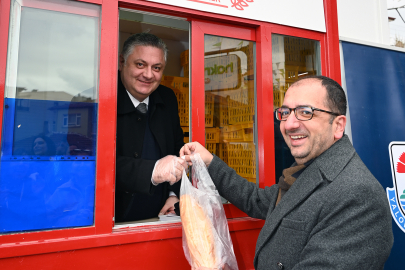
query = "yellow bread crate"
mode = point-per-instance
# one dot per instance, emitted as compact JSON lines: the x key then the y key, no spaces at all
{"x":211,"y":147}
{"x":174,"y":82}
{"x":186,"y":70}
{"x":184,"y":120}
{"x":212,"y":135}
{"x":241,"y":106}
{"x":209,"y":109}
{"x":238,"y":133}
{"x":222,"y":151}
{"x":186,"y":134}
{"x":221,"y":115}
{"x":184,"y":58}
{"x":242,"y":158}
{"x":278,"y":98}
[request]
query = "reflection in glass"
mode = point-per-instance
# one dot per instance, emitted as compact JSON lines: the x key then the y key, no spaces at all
{"x":229,"y":76}
{"x":293,"y":58}
{"x":47,"y":170}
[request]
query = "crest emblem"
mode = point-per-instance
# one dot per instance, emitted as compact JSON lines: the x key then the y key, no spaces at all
{"x":396,"y":195}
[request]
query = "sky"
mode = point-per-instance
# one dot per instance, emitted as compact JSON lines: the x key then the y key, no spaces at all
{"x":397,"y":27}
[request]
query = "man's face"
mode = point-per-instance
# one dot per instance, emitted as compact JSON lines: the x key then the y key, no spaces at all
{"x":142,"y":72}
{"x":308,"y":139}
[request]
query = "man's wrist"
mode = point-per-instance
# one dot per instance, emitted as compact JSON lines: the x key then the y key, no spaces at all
{"x":151,"y":179}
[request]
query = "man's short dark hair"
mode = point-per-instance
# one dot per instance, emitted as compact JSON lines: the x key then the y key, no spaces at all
{"x":143,"y":39}
{"x":336,"y":97}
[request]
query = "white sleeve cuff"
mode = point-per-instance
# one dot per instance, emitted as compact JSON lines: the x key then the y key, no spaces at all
{"x":172,"y":194}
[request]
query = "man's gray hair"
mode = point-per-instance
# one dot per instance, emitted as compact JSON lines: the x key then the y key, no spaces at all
{"x":143,"y":39}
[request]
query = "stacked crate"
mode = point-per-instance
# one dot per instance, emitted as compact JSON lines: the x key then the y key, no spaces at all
{"x":185,"y":62}
{"x":212,"y":139}
{"x":237,"y":147}
{"x":242,"y":158}
{"x":180,"y":87}
{"x":241,"y":106}
{"x":221,"y":112}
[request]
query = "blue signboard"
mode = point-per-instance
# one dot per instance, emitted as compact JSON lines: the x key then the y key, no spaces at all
{"x":375,"y":80}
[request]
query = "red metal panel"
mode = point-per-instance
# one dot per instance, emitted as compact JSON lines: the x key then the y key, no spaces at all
{"x":197,"y":83}
{"x":264,"y":92}
{"x":332,"y":40}
{"x":160,"y":254}
{"x":119,"y":237}
{"x":107,"y":118}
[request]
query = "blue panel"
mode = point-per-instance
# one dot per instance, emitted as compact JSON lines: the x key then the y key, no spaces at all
{"x":375,"y":80}
{"x":37,"y":195}
{"x":47,"y":169}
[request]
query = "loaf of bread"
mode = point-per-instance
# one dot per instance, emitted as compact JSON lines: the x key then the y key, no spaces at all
{"x":198,"y":231}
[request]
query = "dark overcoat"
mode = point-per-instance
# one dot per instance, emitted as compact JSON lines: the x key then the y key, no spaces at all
{"x":335,"y":216}
{"x":133,"y":174}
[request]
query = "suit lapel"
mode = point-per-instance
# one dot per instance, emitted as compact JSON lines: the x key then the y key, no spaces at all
{"x":303,"y":187}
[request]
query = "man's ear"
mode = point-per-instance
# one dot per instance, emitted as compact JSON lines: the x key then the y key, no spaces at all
{"x":121,"y":62}
{"x":339,"y":124}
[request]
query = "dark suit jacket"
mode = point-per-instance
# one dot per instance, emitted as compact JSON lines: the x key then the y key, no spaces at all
{"x":133,"y":174}
{"x":335,"y":216}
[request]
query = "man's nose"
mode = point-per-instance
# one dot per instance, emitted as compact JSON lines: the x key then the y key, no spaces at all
{"x":292,"y":122}
{"x":148,"y":73}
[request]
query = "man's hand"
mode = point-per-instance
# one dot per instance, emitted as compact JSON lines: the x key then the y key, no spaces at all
{"x":168,"y":169}
{"x":194,"y":148}
{"x":168,"y":208}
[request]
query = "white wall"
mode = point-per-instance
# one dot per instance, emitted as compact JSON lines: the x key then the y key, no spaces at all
{"x":364,"y":20}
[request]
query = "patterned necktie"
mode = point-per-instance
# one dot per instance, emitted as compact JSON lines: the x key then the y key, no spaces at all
{"x":287,"y":179}
{"x":142,"y":107}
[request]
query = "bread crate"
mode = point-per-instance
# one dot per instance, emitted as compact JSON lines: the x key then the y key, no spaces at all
{"x":278,"y":98}
{"x":186,"y":70}
{"x":242,"y":158}
{"x":241,"y":106}
{"x":222,"y":151}
{"x":186,"y":134}
{"x":221,"y":115}
{"x":209,"y":109}
{"x":184,"y":58}
{"x":238,"y":133}
{"x":174,"y":82}
{"x":212,"y":135}
{"x":211,"y":147}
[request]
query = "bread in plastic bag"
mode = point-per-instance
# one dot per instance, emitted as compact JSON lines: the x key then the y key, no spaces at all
{"x":206,"y":238}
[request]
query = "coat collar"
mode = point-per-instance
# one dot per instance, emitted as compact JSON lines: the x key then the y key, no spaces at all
{"x":326,"y":166}
{"x":124,"y":103}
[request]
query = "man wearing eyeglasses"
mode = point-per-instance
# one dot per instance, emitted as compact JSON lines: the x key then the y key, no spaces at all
{"x":327,"y":210}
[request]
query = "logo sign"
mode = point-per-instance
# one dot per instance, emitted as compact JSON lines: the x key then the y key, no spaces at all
{"x":396,"y":195}
{"x":222,"y":72}
{"x":286,"y":12}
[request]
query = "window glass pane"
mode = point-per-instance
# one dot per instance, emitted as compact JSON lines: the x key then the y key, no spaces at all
{"x":230,"y":102}
{"x":47,"y":173}
{"x":293,"y":58}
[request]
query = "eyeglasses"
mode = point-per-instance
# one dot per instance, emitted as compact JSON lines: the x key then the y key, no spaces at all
{"x":302,"y":113}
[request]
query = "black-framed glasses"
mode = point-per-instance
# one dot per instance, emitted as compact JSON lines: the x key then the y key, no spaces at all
{"x":302,"y":113}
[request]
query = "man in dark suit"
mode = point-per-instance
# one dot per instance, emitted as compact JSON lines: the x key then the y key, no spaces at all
{"x":327,"y":211}
{"x":149,"y":135}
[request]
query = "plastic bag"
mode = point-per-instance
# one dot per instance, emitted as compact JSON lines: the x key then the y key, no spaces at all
{"x":206,"y":238}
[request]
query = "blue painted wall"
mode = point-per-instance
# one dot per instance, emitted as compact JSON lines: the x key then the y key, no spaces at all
{"x":375,"y":80}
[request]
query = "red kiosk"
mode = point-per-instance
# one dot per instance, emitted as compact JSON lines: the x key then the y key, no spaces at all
{"x":97,"y":242}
